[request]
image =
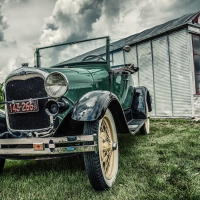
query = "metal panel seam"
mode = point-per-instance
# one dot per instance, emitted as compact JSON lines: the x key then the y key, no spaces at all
{"x":191,"y":67}
{"x":170,"y":72}
{"x":152,"y":59}
{"x":136,"y":46}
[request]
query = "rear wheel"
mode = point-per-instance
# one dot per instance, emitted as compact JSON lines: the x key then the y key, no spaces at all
{"x":102,"y":167}
{"x":2,"y":163}
{"x":146,"y":127}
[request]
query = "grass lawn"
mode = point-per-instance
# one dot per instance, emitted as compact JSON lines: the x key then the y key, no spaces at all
{"x":162,"y":165}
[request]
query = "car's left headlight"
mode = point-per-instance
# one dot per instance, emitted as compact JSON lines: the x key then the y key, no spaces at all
{"x":56,"y":84}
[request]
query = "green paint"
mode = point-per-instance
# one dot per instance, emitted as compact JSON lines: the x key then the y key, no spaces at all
{"x":92,"y":75}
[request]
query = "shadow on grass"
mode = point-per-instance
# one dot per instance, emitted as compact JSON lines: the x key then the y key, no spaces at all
{"x":67,"y":164}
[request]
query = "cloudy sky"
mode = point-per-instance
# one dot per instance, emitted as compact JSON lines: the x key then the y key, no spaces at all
{"x":27,"y":24}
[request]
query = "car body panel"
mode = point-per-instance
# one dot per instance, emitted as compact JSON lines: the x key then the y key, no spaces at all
{"x":92,"y":106}
{"x":93,"y":88}
{"x":123,"y":88}
{"x":80,"y":81}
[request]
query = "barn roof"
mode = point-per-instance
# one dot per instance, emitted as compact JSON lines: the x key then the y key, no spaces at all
{"x":157,"y":30}
{"x":149,"y":33}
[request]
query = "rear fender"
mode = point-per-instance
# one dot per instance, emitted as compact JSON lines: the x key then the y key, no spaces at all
{"x":141,"y":97}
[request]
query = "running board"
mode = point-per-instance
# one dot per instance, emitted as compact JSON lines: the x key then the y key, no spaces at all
{"x":135,"y":124}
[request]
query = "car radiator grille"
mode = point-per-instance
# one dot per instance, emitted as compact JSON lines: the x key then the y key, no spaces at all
{"x":26,"y":89}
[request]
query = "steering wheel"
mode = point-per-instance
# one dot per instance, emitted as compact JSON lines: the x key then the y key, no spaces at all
{"x":91,"y":57}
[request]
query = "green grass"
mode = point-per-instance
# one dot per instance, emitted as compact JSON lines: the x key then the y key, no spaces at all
{"x":162,"y":165}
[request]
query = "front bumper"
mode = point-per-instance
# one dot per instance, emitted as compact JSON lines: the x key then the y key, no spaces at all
{"x":48,"y":146}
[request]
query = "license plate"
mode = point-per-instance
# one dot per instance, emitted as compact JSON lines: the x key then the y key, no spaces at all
{"x":23,"y":107}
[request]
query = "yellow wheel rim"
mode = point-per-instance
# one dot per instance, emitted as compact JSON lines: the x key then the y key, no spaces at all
{"x":107,"y":156}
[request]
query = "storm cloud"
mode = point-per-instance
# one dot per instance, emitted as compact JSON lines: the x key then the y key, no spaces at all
{"x":80,"y":19}
{"x":71,"y":20}
{"x":3,"y":25}
{"x":27,"y":24}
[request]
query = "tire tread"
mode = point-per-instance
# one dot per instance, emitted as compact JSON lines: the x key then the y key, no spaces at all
{"x":92,"y":162}
{"x":2,"y":163}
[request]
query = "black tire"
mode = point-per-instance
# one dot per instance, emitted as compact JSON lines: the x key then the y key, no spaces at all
{"x":2,"y":163}
{"x":100,"y":173}
{"x":145,"y":129}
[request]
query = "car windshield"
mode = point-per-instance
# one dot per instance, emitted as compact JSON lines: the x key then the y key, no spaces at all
{"x":76,"y":52}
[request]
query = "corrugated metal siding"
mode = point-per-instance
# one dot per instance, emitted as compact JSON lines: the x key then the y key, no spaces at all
{"x":191,"y":70}
{"x":162,"y":77}
{"x":194,"y":29}
{"x":131,"y":57}
{"x":196,"y":99}
{"x":180,"y":74}
{"x":145,"y":71}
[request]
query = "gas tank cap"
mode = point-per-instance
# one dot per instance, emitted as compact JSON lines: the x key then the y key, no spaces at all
{"x":24,"y":64}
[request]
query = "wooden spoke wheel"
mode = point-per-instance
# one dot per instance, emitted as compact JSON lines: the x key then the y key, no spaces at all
{"x":102,"y":167}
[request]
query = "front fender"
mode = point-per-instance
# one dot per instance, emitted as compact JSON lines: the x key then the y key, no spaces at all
{"x":3,"y":125}
{"x":92,"y":106}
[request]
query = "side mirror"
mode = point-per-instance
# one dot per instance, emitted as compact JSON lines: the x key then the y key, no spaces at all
{"x":127,"y":48}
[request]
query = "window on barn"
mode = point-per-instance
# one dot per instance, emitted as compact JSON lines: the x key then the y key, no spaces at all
{"x":196,"y":51}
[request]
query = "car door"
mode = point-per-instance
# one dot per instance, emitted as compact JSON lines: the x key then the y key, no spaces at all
{"x":123,"y":87}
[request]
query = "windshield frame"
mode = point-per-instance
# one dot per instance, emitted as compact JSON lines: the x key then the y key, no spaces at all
{"x":105,"y":64}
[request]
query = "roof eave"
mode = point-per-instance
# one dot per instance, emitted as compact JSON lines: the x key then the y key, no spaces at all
{"x":161,"y":33}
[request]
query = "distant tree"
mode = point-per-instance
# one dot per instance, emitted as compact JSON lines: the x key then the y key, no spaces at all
{"x":1,"y":92}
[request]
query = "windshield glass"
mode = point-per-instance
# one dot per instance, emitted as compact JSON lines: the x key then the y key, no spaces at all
{"x":62,"y":55}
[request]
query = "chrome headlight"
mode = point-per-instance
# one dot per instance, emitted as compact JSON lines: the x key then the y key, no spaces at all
{"x":56,"y":84}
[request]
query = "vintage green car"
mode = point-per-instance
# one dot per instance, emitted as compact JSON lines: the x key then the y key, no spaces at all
{"x":71,"y":102}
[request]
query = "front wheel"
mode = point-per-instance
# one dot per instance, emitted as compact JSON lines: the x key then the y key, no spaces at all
{"x":2,"y":163}
{"x":102,"y":167}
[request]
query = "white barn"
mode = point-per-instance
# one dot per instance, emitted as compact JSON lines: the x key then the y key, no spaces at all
{"x":168,"y":57}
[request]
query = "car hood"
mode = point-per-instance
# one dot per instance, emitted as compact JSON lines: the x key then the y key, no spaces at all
{"x":74,"y":75}
{"x":80,"y":80}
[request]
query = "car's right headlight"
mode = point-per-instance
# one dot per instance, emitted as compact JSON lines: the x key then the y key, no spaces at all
{"x":56,"y":84}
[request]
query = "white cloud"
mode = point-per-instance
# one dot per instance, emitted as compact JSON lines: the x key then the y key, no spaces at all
{"x":3,"y":25}
{"x":73,"y":21}
{"x":25,"y":19}
{"x":14,"y":63}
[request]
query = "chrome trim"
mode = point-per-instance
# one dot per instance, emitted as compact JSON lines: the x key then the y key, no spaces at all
{"x":66,"y":81}
{"x":65,"y":139}
{"x":24,"y":77}
{"x":49,"y":145}
{"x":95,"y":138}
{"x":59,"y":150}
